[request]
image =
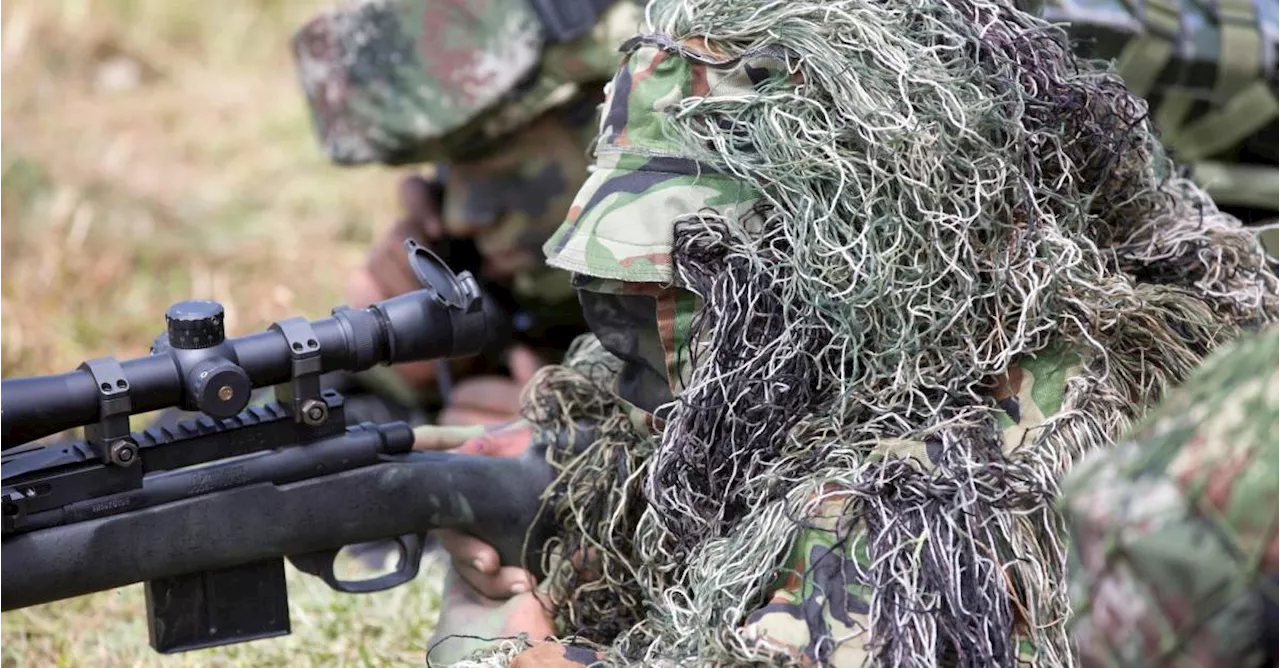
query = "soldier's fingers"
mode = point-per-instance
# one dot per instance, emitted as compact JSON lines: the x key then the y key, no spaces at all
{"x":415,"y":195}
{"x":501,"y":437}
{"x":477,"y":563}
{"x":421,"y":204}
{"x":363,"y":289}
{"x":468,"y":552}
{"x":440,"y":437}
{"x":523,"y":363}
{"x":508,"y":439}
{"x":432,"y":226}
{"x":507,"y":582}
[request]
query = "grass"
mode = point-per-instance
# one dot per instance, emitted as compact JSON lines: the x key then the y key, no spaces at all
{"x":329,"y":629}
{"x":154,"y":151}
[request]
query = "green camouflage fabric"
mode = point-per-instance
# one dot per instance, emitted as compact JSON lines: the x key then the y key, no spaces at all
{"x":620,"y":226}
{"x":616,"y":238}
{"x":1173,"y":532}
{"x":817,"y":608}
{"x":1208,"y":69}
{"x":409,"y":81}
{"x":507,"y":203}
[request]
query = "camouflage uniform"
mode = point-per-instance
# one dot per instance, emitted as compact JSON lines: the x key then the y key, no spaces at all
{"x":1208,"y":71}
{"x":504,"y":107}
{"x":499,"y":103}
{"x":1173,"y":531}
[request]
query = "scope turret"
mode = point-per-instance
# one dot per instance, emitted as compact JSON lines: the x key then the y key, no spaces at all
{"x":195,"y":323}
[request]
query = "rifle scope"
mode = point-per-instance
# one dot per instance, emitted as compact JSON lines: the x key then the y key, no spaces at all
{"x":194,"y":366}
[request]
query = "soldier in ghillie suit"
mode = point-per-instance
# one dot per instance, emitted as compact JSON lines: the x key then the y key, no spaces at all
{"x":1173,"y":531}
{"x":864,"y":280}
{"x":500,"y":98}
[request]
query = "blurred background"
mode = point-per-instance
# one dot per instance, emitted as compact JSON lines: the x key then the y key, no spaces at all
{"x":160,"y":150}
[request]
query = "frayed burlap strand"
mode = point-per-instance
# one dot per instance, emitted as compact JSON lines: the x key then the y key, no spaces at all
{"x":596,"y":500}
{"x":497,"y":656}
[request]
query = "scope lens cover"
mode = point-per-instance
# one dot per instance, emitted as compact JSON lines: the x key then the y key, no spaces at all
{"x":436,"y":276}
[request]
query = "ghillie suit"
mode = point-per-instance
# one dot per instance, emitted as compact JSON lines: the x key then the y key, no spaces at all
{"x":1173,"y":531}
{"x":1208,"y":72}
{"x":875,"y":275}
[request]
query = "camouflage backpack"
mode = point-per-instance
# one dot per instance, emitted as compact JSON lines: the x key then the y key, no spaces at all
{"x":1208,"y":70}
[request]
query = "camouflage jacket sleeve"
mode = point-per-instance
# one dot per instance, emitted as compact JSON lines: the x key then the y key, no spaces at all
{"x":1173,"y":532}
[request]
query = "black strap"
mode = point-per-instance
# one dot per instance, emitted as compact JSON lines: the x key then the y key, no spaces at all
{"x":567,"y":20}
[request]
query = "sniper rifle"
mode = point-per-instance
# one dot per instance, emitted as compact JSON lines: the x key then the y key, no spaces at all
{"x":205,"y":512}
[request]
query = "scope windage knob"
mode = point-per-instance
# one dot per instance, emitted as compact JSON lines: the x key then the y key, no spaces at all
{"x":218,"y":388}
{"x":195,"y":324}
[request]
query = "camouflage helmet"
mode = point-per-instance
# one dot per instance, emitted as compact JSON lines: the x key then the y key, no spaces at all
{"x":1208,"y":72}
{"x":409,"y":81}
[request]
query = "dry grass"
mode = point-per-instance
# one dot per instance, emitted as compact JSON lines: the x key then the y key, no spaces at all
{"x":157,"y":150}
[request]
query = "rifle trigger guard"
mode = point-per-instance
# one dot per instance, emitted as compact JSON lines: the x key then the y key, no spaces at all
{"x":320,"y":564}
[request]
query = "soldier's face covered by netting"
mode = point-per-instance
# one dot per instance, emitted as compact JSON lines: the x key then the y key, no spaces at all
{"x":648,"y":327}
{"x":618,"y":236}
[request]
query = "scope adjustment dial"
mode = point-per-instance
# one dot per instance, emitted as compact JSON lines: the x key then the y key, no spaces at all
{"x":195,"y":324}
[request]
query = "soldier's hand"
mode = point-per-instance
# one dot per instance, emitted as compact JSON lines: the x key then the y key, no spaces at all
{"x":491,"y":399}
{"x":420,"y":205}
{"x":474,"y":560}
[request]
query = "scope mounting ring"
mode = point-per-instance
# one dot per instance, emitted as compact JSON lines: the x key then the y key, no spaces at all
{"x":302,"y":392}
{"x":109,"y":436}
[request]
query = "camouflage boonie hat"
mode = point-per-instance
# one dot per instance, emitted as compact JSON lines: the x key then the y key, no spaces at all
{"x":621,"y":224}
{"x":1173,"y":531}
{"x":408,"y":81}
{"x":1208,"y":71}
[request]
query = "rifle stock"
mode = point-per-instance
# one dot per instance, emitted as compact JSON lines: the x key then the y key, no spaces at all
{"x":401,"y":494}
{"x":213,"y":562}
